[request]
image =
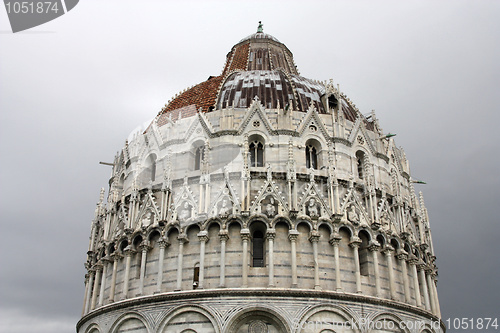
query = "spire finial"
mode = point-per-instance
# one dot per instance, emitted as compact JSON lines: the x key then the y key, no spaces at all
{"x":261,"y":27}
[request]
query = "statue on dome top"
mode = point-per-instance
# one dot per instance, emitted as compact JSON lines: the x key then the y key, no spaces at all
{"x":260,"y":27}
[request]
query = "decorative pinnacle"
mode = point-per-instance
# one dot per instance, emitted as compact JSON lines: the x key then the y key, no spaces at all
{"x":260,"y":27}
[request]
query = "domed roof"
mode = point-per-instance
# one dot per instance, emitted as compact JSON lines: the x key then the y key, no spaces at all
{"x":260,"y":35}
{"x":257,"y":66}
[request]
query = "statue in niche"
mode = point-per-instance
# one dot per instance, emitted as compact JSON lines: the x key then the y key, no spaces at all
{"x":184,"y":211}
{"x":146,"y":219}
{"x":120,"y":227}
{"x":384,"y":220}
{"x":225,"y":207}
{"x":312,"y":208}
{"x":269,"y":207}
{"x":352,"y":215}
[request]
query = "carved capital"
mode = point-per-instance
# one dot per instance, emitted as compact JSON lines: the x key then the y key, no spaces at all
{"x":116,"y":256}
{"x":388,"y":249}
{"x":314,"y":236}
{"x":412,"y":260}
{"x":245,"y":234}
{"x":271,"y":234}
{"x":223,"y":235}
{"x":402,"y":255}
{"x":203,"y":236}
{"x":293,"y":235}
{"x":374,"y":246}
{"x":182,"y":238}
{"x":128,"y":251}
{"x":335,"y":239}
{"x":144,"y":246}
{"x":355,"y":242}
{"x":163,"y":243}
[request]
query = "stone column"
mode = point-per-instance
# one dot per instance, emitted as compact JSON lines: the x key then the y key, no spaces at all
{"x":223,"y":236}
{"x":270,"y":235}
{"x":98,"y":268}
{"x":402,"y":256}
{"x":436,"y":299}
{"x":182,"y":239}
{"x":388,"y":255}
{"x":413,"y":267}
{"x":89,"y":290}
{"x":203,"y":238}
{"x":423,"y":283}
{"x":126,"y":279}
{"x":245,"y":237}
{"x":374,"y":247}
{"x":355,"y":243}
{"x":85,"y":295}
{"x":314,"y":239}
{"x":431,"y":290}
{"x":162,"y":244}
{"x":105,"y":262}
{"x":115,"y":257}
{"x":334,"y":241}
{"x":292,"y":236}
{"x":144,"y":249}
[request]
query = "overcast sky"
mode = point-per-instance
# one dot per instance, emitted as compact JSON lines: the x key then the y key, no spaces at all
{"x":73,"y":89}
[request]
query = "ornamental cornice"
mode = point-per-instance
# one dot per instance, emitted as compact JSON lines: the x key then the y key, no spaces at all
{"x":382,"y":156}
{"x":338,"y":139}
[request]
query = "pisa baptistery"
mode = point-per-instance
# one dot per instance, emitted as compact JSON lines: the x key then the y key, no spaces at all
{"x":260,"y":201}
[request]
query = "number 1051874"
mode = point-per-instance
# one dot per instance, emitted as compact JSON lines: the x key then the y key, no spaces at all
{"x":472,"y":323}
{"x":26,"y":7}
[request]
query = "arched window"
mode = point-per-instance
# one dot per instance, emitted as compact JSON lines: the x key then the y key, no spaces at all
{"x":311,"y":157}
{"x":196,"y":276}
{"x":199,"y":155}
{"x":363,"y":253}
{"x":256,"y":154}
{"x":258,"y":249}
{"x":151,"y":164}
{"x":360,"y":156}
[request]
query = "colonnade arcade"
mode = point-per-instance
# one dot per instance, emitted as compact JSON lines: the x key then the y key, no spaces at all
{"x":300,"y":253}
